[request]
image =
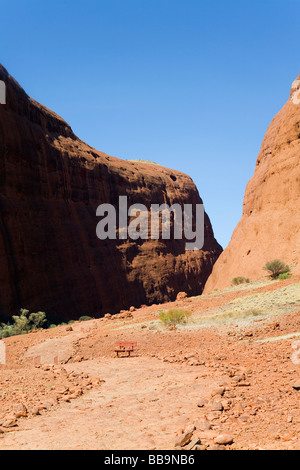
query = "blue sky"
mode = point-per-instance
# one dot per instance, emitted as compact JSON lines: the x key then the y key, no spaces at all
{"x":189,"y":84}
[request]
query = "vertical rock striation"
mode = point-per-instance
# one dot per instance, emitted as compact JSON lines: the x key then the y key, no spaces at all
{"x":270,"y":224}
{"x":51,"y":184}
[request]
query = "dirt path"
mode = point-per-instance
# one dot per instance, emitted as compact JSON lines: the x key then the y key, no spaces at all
{"x":142,"y":405}
{"x":242,"y":339}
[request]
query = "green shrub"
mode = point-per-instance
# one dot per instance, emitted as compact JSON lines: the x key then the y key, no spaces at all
{"x":85,"y":318}
{"x":276,"y":267}
{"x":7,"y":331}
{"x":23,"y":323}
{"x":38,"y":319}
{"x":174,"y":316}
{"x":236,"y":281}
{"x":284,"y":276}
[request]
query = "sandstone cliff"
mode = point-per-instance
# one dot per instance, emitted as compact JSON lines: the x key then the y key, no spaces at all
{"x":50,"y":186}
{"x":270,"y":224}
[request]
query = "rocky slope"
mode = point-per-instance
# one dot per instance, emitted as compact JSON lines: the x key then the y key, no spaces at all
{"x":51,"y":184}
{"x":219,"y":382}
{"x":270,"y":224}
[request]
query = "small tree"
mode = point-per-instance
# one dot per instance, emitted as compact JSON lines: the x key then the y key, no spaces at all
{"x":276,"y":267}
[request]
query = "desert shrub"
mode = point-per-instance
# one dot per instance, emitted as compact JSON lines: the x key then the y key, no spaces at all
{"x":6,"y":331}
{"x":85,"y":318}
{"x":23,"y":323}
{"x":236,"y":281}
{"x":284,"y":276}
{"x":174,"y":316}
{"x":38,"y":319}
{"x":276,"y":267}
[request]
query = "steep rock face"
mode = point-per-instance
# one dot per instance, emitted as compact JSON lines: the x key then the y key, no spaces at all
{"x":50,"y":257}
{"x":270,"y":224}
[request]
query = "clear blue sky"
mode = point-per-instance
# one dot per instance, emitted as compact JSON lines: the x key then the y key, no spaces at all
{"x":189,"y":84}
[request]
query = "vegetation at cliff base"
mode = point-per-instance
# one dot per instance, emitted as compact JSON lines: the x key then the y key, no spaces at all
{"x":23,"y":323}
{"x":277,"y":268}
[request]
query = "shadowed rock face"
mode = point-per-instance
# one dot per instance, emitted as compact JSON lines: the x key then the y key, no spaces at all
{"x":270,"y":225}
{"x":50,"y":257}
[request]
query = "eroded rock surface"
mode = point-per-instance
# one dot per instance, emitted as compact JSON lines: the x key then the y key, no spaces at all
{"x":270,"y":224}
{"x":51,"y":184}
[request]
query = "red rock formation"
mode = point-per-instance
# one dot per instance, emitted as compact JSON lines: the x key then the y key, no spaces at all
{"x":50,"y":186}
{"x":270,"y":224}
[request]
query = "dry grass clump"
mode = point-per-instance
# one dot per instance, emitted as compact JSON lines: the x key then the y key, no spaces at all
{"x":236,"y":281}
{"x":174,"y":316}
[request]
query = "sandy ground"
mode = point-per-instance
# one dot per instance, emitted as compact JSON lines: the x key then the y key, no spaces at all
{"x":232,"y":371}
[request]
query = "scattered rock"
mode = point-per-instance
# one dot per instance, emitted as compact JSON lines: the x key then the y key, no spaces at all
{"x":192,"y":444}
{"x":184,"y":439}
{"x":218,"y":391}
{"x":20,"y":411}
{"x":248,"y":334}
{"x":203,"y":425}
{"x":9,"y":421}
{"x":77,"y":359}
{"x":201,"y":403}
{"x":217,"y":447}
{"x":238,"y":378}
{"x":213,"y":415}
{"x":224,"y":439}
{"x":216,"y":406}
{"x":244,"y":384}
{"x":226,"y":404}
{"x":296,"y":385}
{"x":190,"y":428}
{"x":181,"y":295}
{"x":61,"y":389}
{"x":200,"y":447}
{"x":208,"y":435}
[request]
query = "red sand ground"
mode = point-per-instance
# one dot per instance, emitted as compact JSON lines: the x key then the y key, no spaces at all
{"x":215,"y":380}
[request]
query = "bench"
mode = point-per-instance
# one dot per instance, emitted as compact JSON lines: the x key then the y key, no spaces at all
{"x":125,"y":347}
